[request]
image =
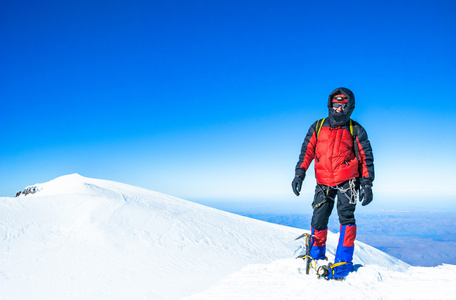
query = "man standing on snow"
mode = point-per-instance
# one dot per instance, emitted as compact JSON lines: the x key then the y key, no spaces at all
{"x":344,"y":167}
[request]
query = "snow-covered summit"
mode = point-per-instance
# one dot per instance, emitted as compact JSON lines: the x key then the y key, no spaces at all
{"x":84,"y":238}
{"x":77,"y":184}
{"x":77,"y":237}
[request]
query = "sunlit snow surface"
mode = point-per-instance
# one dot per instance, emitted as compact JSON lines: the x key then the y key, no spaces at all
{"x":82,"y":238}
{"x":286,"y":279}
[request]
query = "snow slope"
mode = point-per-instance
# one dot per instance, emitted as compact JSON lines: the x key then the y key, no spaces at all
{"x":82,"y":238}
{"x":286,"y":279}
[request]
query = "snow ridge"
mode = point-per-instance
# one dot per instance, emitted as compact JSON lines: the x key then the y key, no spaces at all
{"x":84,"y":238}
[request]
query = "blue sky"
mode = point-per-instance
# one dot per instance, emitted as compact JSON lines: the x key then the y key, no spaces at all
{"x":212,"y":99}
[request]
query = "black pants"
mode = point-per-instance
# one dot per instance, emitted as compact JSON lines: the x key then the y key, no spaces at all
{"x":323,"y":205}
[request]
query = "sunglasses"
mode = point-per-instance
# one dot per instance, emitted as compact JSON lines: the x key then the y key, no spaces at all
{"x":336,"y":105}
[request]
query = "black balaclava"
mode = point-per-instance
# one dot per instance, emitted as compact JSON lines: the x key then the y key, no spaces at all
{"x":339,"y":119}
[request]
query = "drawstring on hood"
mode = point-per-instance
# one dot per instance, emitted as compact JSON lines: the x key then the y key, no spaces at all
{"x":339,"y":119}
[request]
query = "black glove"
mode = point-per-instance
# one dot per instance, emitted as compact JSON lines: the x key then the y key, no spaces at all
{"x":366,"y":194}
{"x":297,"y":183}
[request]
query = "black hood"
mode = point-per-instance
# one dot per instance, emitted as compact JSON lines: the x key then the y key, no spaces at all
{"x":339,"y":119}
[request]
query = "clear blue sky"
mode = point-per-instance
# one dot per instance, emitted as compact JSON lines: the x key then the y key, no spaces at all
{"x":212,"y":99}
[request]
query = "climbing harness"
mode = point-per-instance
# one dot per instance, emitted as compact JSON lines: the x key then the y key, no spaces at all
{"x":324,"y":199}
{"x":352,"y":189}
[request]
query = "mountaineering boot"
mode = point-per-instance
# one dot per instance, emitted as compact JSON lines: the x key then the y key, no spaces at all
{"x":344,"y":255}
{"x":323,"y":271}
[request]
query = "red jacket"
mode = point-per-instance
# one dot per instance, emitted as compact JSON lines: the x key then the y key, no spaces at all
{"x":334,"y":151}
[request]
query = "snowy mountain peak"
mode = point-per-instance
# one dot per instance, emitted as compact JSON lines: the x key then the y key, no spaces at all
{"x":79,"y":231}
{"x":75,"y":184}
{"x":61,"y":185}
{"x":79,"y":238}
